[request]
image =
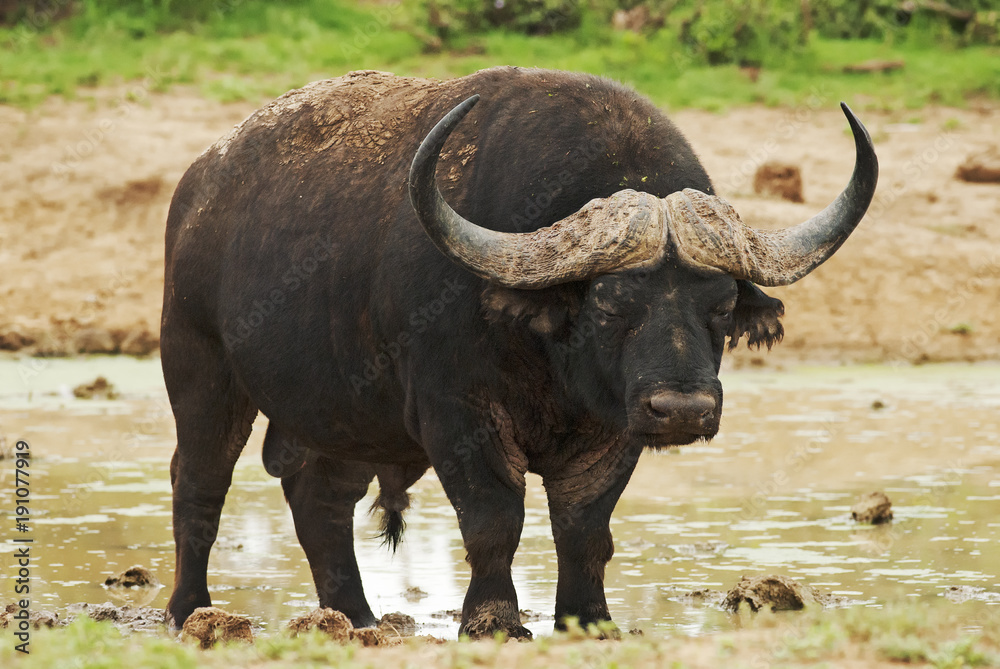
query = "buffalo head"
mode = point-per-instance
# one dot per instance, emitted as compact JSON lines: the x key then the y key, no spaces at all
{"x":635,"y":295}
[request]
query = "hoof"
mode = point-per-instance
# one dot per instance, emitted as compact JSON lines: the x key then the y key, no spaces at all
{"x":487,"y":622}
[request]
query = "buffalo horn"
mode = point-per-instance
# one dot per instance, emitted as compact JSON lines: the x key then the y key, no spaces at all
{"x":707,"y":231}
{"x":627,"y":229}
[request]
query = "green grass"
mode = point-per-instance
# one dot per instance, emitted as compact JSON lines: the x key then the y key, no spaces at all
{"x":929,"y":631}
{"x":250,"y":49}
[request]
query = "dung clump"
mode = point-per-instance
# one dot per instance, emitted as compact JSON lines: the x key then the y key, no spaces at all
{"x":414,"y":594}
{"x":136,"y":586}
{"x":397,"y":624}
{"x":981,"y":167}
{"x":36,"y":619}
{"x":333,"y":623}
{"x":209,"y":625}
{"x":873,"y":508}
{"x":701,"y":596}
{"x":965,"y":593}
{"x":778,"y":593}
{"x":130,"y":618}
{"x":779,"y":180}
{"x":100,"y":388}
{"x":133,"y":577}
{"x":391,"y":629}
{"x":369,"y":636}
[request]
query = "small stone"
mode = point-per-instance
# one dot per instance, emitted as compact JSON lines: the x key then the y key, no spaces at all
{"x":209,"y":625}
{"x":779,"y":593}
{"x":873,"y":508}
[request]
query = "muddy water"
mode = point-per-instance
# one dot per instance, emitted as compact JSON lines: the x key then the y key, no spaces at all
{"x":771,"y":494}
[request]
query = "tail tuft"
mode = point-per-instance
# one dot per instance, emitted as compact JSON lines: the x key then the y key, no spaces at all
{"x":391,"y":525}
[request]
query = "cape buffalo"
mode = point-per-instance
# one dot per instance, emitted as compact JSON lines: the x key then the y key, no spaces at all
{"x":559,"y":305}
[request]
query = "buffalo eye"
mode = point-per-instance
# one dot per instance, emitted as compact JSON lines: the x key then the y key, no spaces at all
{"x":722,"y":315}
{"x":608,"y":320}
{"x":606,"y":304}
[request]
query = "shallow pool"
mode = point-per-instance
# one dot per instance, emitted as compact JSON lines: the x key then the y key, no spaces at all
{"x":771,"y":494}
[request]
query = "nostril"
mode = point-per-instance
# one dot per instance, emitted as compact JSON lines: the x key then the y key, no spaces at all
{"x":670,"y":405}
{"x":664,"y":404}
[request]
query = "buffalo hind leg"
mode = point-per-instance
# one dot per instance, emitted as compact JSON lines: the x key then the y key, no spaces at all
{"x":214,"y":418}
{"x":582,"y":533}
{"x":322,"y":496}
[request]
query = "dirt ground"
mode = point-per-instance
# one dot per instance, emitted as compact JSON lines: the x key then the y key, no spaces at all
{"x":85,"y":186}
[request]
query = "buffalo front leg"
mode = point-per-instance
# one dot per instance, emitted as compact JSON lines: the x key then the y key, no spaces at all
{"x":322,"y":496}
{"x":580,"y":514}
{"x":490,"y":508}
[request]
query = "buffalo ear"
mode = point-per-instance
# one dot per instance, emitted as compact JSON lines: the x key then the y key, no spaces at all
{"x":757,"y":316}
{"x":547,"y":312}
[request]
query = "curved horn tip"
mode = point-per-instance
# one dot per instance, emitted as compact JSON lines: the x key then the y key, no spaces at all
{"x":455,"y":116}
{"x":857,"y":127}
{"x":465,"y":105}
{"x":436,"y":138}
{"x":425,"y":160}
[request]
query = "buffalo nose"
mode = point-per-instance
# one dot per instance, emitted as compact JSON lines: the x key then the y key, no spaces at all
{"x":686,"y":408}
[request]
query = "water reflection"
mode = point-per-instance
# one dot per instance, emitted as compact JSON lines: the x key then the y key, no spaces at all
{"x":771,"y":494}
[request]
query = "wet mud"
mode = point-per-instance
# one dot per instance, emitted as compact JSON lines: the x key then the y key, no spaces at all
{"x":771,"y":495}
